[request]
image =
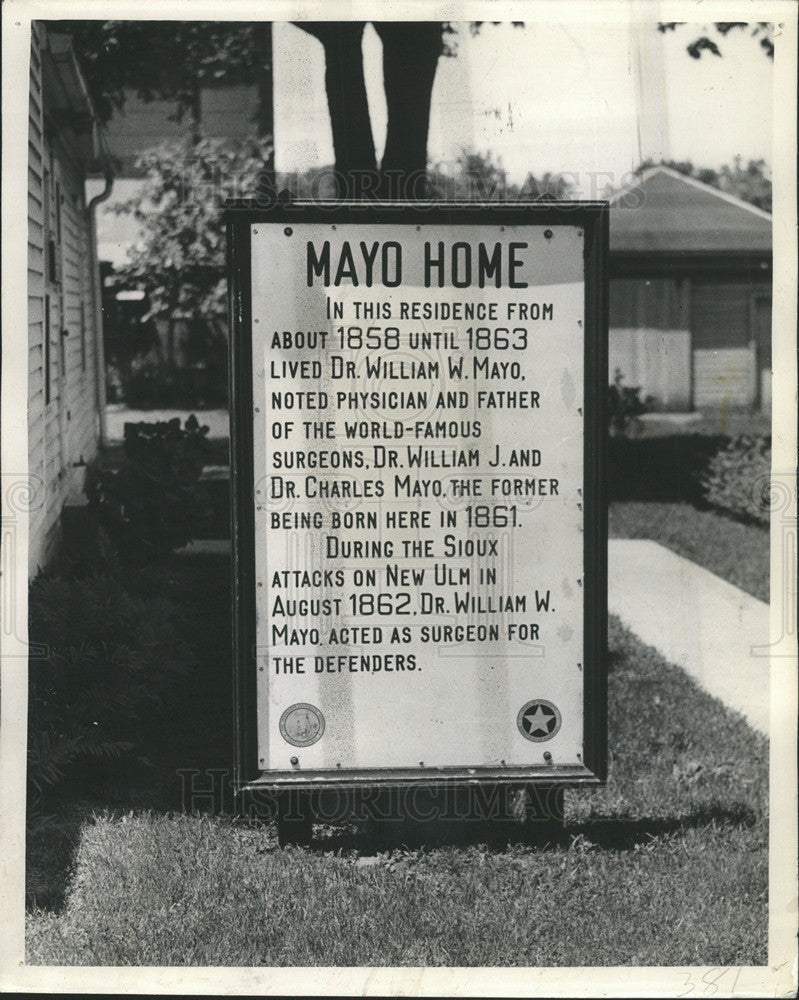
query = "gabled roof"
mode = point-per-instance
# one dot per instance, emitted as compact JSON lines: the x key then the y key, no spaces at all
{"x":665,"y":211}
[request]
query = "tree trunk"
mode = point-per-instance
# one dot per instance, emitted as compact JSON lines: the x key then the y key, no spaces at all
{"x":354,"y":147}
{"x":264,"y":113}
{"x":410,"y":58}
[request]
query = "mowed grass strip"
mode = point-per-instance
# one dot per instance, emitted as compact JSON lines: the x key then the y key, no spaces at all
{"x":737,"y":552}
{"x":665,"y":866}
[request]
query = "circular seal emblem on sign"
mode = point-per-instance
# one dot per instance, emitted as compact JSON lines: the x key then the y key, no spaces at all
{"x":302,"y":725}
{"x":538,"y":720}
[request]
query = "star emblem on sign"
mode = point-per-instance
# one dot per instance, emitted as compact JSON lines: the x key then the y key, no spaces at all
{"x":539,"y":720}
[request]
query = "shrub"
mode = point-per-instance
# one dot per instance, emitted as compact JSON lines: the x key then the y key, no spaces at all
{"x":737,"y":479}
{"x":153,"y":500}
{"x":624,"y":406}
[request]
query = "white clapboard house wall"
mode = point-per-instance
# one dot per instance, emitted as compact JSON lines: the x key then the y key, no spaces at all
{"x":65,"y":361}
{"x":690,"y":294}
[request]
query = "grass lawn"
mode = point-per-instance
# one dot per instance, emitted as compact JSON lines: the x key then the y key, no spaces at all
{"x":737,"y":552}
{"x":667,"y":865}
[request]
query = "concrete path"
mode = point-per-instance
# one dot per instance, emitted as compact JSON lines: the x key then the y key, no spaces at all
{"x":696,"y":620}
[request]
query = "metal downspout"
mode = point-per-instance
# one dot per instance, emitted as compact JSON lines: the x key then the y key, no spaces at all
{"x":99,"y":345}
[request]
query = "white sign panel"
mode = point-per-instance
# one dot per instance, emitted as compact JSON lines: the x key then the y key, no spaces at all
{"x":418,"y":453}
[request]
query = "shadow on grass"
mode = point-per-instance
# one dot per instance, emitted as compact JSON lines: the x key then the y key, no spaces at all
{"x":665,"y":469}
{"x":185,"y":736}
{"x":609,"y":834}
{"x":620,"y":834}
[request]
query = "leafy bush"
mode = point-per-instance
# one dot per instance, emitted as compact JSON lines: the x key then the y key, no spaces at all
{"x":107,"y":656}
{"x":179,"y":258}
{"x":153,"y":500}
{"x":624,"y":406}
{"x":737,"y":478}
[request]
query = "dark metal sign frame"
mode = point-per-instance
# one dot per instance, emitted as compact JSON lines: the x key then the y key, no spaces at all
{"x":592,"y":217}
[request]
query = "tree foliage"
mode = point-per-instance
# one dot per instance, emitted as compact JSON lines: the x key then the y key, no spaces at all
{"x":450,"y":33}
{"x":179,"y":259}
{"x":481,"y":177}
{"x":169,"y":60}
{"x":153,"y":501}
{"x":164,"y":59}
{"x":763,"y":31}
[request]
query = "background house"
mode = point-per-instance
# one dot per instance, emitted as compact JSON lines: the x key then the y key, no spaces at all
{"x":65,"y":369}
{"x":690,"y":293}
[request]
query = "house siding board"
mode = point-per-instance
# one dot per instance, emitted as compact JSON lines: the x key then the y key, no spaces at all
{"x":648,"y":303}
{"x":65,"y":430}
{"x":34,"y":148}
{"x":34,"y":367}
{"x":35,"y":260}
{"x":35,"y":114}
{"x":35,"y":107}
{"x":36,"y":461}
{"x":36,"y":423}
{"x":649,"y":339}
{"x":35,"y":199}
{"x":35,"y":220}
{"x":761,"y":308}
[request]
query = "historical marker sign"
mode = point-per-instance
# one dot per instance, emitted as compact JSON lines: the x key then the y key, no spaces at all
{"x":420,"y":529}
